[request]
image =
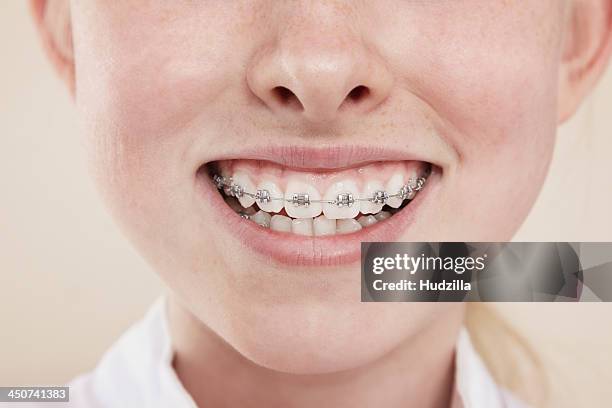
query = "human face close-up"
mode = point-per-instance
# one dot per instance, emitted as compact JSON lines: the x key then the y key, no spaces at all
{"x":323,"y":98}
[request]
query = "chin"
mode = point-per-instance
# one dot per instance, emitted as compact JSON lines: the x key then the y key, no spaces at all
{"x":318,"y":339}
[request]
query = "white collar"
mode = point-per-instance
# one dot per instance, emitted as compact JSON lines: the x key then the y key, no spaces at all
{"x":137,"y":371}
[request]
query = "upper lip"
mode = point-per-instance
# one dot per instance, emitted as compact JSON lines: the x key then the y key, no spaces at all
{"x":326,"y":157}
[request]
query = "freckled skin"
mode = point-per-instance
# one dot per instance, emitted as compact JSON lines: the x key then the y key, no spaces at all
{"x":163,"y":86}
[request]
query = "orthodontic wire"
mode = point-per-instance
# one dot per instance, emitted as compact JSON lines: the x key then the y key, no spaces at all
{"x":302,"y":199}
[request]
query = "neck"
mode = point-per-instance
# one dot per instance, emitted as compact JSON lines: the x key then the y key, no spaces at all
{"x":417,"y":373}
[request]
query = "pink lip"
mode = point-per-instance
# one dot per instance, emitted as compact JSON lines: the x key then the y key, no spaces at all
{"x":295,"y":250}
{"x":321,"y":158}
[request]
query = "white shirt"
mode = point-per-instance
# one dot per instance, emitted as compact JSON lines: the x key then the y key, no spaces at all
{"x":137,"y":372}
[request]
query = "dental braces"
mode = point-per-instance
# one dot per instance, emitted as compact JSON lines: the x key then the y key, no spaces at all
{"x":303,"y":199}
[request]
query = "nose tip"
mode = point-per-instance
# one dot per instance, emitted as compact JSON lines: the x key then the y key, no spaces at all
{"x":320,"y":83}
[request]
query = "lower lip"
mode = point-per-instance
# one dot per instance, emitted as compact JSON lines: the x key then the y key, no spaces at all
{"x":309,"y":251}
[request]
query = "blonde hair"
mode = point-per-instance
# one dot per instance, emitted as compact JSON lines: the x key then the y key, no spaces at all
{"x":510,"y":358}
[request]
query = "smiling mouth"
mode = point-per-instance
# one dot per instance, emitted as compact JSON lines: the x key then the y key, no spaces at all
{"x":314,"y":208}
{"x":317,"y":203}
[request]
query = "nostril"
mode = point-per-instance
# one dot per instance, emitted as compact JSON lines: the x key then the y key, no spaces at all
{"x":286,"y":97}
{"x":358,"y":94}
{"x":283,"y":93}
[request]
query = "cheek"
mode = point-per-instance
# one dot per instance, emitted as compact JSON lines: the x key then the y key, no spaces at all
{"x":494,"y":80}
{"x":502,"y":123}
{"x":148,"y":70}
{"x":140,"y":90}
{"x":143,"y":86}
{"x":494,"y":84}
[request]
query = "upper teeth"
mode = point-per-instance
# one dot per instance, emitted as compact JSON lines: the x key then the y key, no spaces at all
{"x":338,"y":203}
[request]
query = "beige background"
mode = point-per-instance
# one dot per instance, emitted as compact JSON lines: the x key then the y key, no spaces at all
{"x":70,"y":283}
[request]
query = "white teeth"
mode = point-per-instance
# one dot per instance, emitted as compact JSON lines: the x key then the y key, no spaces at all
{"x":371,"y":187}
{"x":280,"y":223}
{"x":302,"y":226}
{"x":245,"y":182}
{"x":310,"y":211}
{"x":367,"y":220}
{"x":262,"y":218}
{"x":324,"y":226}
{"x":393,"y":187}
{"x":272,"y":206}
{"x":341,"y":204}
{"x":383,"y":215}
{"x":333,"y":211}
{"x":347,"y":226}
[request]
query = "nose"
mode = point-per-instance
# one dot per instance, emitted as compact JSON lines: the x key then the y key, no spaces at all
{"x":319,"y":74}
